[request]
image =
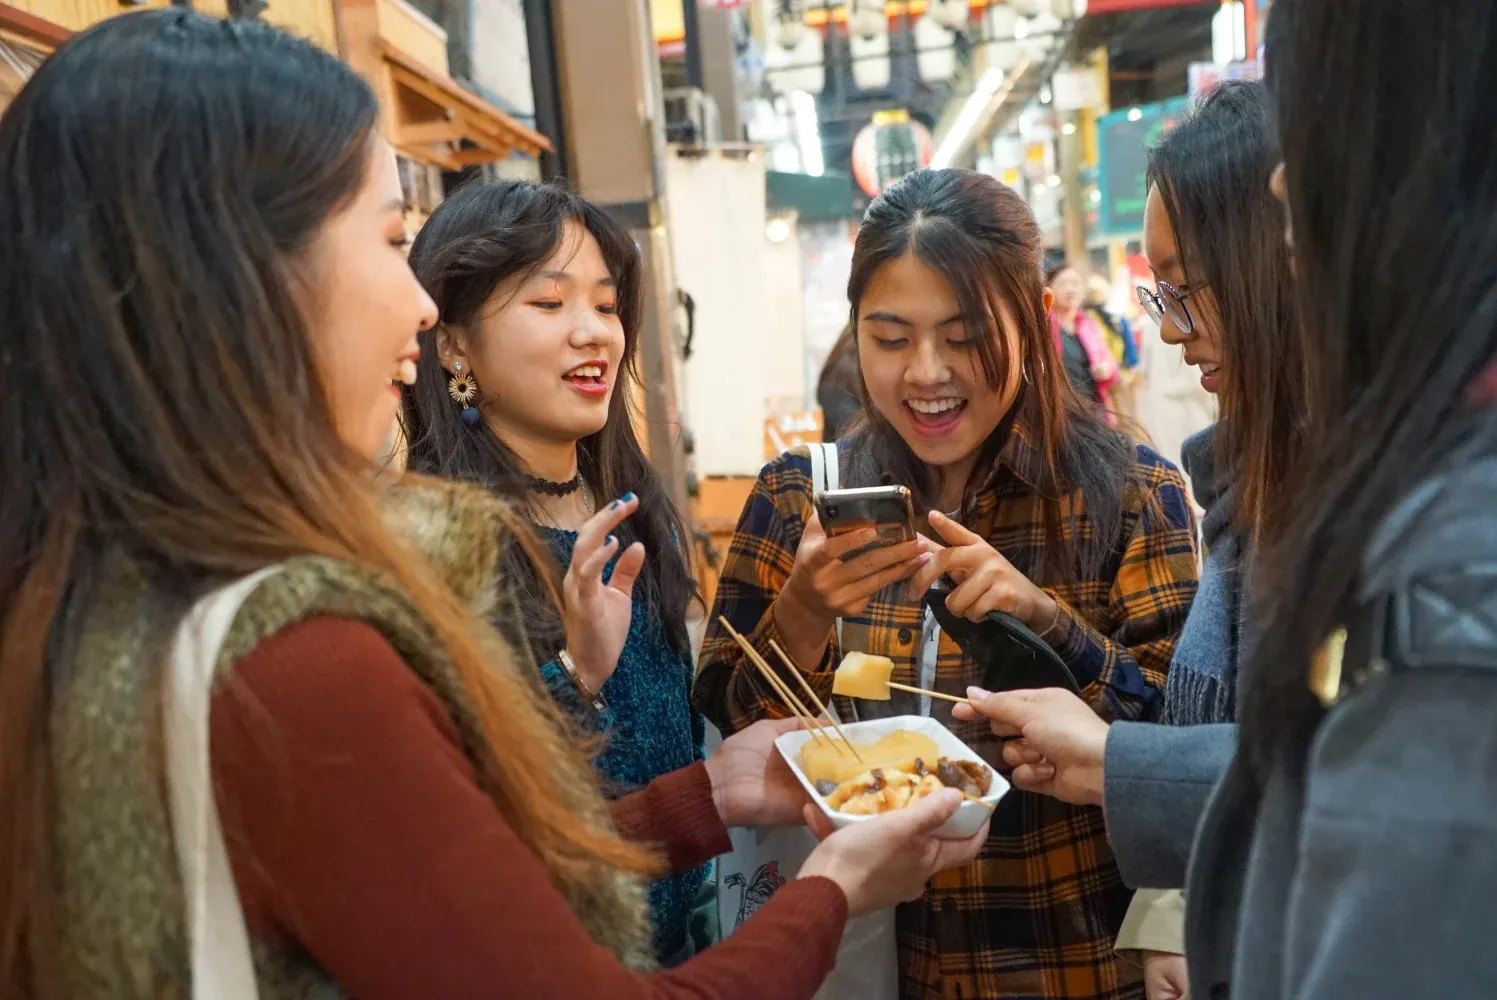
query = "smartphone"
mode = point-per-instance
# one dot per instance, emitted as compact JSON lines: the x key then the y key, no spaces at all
{"x":887,"y":509}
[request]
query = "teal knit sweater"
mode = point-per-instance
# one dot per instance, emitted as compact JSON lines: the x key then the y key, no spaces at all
{"x":649,"y":729}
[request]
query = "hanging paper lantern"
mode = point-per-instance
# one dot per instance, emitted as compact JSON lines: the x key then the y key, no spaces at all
{"x":890,"y":146}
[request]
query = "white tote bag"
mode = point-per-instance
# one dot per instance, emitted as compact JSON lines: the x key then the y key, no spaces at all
{"x":222,"y":967}
{"x":763,"y":860}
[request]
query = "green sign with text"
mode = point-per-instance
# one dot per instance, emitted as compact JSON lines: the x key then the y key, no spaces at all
{"x":1124,"y":139}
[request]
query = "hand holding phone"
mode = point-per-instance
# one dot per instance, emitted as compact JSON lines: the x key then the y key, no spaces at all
{"x":888,"y":510}
{"x":836,"y":575}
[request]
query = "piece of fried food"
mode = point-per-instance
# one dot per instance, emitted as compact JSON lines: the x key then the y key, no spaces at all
{"x":966,"y":776}
{"x":896,"y":785}
{"x":879,"y":791}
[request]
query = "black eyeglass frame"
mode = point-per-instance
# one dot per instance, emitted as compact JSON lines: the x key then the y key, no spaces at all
{"x":1158,"y":306}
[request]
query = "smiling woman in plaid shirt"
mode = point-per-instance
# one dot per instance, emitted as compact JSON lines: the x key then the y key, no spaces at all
{"x":1053,"y":517}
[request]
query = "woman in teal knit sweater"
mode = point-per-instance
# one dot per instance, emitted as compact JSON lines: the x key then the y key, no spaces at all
{"x":526,"y":387}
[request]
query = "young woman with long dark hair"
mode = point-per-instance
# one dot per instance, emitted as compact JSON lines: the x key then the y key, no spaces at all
{"x":209,"y":309}
{"x":1350,"y":848}
{"x":526,"y":386}
{"x":1213,"y":235}
{"x":1045,"y":512}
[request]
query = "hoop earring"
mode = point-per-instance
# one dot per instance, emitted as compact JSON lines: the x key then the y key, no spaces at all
{"x":464,"y":391}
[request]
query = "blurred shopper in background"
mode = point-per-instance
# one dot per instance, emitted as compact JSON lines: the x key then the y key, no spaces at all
{"x":837,"y":389}
{"x":1049,"y":515}
{"x":1088,"y":364}
{"x":1351,"y":847}
{"x":526,"y":387}
{"x":1212,"y":226}
{"x":201,"y":370}
{"x":1118,"y":333}
{"x":1122,"y":344}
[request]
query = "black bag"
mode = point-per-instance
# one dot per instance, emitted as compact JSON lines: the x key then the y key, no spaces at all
{"x":1010,"y":656}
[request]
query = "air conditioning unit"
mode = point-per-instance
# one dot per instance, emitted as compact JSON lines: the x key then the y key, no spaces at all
{"x":691,"y":117}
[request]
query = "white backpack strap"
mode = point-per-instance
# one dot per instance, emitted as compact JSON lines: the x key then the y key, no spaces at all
{"x":833,"y":467}
{"x":825,"y":474}
{"x":222,"y":965}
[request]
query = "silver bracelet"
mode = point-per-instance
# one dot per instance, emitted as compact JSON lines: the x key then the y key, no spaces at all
{"x":1051,"y":627}
{"x":570,"y":667}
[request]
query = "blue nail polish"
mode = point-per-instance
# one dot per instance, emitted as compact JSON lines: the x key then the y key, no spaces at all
{"x":628,"y":497}
{"x":612,"y":540}
{"x":616,"y":505}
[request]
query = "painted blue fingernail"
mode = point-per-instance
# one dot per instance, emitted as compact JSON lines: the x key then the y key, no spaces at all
{"x":628,"y":498}
{"x":612,"y":540}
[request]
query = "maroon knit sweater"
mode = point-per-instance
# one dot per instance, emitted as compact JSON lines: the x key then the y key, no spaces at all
{"x":357,"y":831}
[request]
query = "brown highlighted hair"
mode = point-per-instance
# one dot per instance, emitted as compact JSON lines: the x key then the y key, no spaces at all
{"x":982,"y":238}
{"x":158,"y":395}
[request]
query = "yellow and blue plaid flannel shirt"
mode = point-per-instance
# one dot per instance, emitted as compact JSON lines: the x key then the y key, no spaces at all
{"x":1035,"y":916}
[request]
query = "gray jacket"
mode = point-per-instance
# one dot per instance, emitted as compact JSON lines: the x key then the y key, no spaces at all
{"x":1372,"y":872}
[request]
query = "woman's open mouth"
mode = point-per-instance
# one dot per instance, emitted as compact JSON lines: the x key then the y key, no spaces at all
{"x":403,"y":375}
{"x":589,"y":379}
{"x":936,"y":417}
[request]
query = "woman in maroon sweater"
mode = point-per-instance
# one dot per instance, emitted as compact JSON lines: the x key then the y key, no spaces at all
{"x":209,"y":304}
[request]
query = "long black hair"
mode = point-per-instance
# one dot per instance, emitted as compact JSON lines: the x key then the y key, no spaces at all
{"x":481,"y":237}
{"x":981,"y":237}
{"x":1212,"y":173}
{"x":1391,"y":179}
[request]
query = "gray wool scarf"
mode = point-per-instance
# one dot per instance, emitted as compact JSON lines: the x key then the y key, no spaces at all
{"x":1202,"y":684}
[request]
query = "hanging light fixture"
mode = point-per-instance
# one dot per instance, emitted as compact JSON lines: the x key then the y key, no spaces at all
{"x":953,"y":15}
{"x":868,"y":44}
{"x":789,"y":24}
{"x":1229,"y":33}
{"x":865,"y":18}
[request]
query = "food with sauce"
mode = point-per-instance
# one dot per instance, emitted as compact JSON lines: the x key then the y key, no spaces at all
{"x":882,"y":789}
{"x":832,"y":760}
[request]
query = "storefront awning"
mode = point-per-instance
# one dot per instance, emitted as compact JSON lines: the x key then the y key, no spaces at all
{"x":439,"y":122}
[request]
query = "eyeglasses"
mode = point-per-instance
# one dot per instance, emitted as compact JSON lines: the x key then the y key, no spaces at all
{"x":1170,"y":301}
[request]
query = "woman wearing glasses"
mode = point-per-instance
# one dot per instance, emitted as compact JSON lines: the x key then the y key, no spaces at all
{"x":1213,"y":238}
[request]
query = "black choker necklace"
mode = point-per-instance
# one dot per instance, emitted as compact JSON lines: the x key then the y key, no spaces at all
{"x":545,"y":486}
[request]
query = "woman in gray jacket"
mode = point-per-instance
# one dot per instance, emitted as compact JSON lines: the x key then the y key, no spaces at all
{"x":1350,"y":848}
{"x":1214,"y":237}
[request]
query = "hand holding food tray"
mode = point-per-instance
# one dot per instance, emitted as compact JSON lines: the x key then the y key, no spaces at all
{"x":877,"y":766}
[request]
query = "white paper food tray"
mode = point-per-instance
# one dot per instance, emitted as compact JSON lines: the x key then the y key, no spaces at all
{"x":969,"y":817}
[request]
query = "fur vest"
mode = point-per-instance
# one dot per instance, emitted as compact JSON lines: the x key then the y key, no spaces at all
{"x":123,"y":928}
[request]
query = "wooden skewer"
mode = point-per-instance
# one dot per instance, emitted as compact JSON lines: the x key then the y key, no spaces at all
{"x":786,"y":695}
{"x":818,"y":731}
{"x":800,"y":676}
{"x":932,"y":694}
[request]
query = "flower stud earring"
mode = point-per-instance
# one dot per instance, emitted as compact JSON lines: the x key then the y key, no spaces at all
{"x":464,"y":391}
